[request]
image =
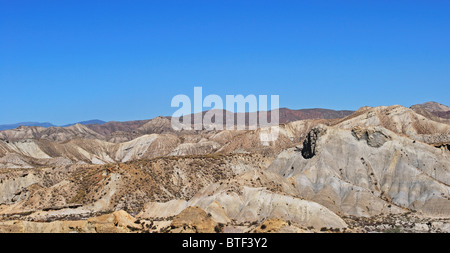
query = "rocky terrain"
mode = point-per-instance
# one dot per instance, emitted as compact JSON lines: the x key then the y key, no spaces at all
{"x":379,"y":169}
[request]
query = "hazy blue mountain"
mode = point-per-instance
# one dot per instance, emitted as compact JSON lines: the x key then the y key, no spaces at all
{"x":47,"y":124}
{"x":16,"y":125}
{"x":88,"y":122}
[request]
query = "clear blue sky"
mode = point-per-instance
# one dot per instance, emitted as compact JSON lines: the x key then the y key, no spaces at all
{"x":68,"y":61}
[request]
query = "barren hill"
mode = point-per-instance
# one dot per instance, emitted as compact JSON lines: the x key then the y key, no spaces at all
{"x":433,"y":108}
{"x":359,"y":173}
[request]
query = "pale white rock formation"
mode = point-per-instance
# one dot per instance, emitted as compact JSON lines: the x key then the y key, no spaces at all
{"x":367,"y":171}
{"x":200,"y":148}
{"x":256,"y":204}
{"x":134,"y":149}
{"x":251,"y":197}
{"x":400,"y":120}
{"x":163,"y":209}
{"x":12,"y":188}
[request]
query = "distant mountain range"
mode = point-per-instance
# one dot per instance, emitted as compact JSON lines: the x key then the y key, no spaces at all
{"x":88,"y":122}
{"x":16,"y":125}
{"x":434,"y":110}
{"x":286,"y":116}
{"x":47,"y":124}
